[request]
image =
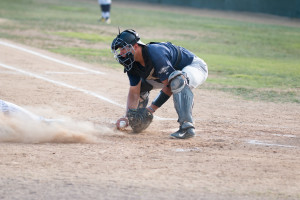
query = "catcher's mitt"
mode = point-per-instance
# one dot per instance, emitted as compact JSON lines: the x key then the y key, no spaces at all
{"x":139,"y":119}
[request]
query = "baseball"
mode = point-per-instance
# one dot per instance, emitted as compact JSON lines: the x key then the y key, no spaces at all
{"x":122,"y":124}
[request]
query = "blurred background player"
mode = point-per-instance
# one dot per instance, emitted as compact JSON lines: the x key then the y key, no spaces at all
{"x":105,"y":10}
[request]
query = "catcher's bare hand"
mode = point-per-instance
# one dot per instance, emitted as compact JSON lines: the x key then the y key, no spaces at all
{"x":139,"y":119}
{"x":122,"y":123}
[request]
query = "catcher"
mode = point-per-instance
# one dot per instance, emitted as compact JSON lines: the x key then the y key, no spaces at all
{"x":173,"y":69}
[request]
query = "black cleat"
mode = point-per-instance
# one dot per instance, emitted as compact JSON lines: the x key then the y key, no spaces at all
{"x":184,"y":133}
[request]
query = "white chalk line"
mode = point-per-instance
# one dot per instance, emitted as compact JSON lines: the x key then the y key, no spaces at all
{"x":188,"y":150}
{"x":61,"y":84}
{"x":50,"y":58}
{"x":72,"y":87}
{"x":77,"y":73}
{"x":256,"y":142}
{"x":281,"y":135}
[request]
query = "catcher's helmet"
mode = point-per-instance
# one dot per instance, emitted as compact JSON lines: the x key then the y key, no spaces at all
{"x":122,"y":47}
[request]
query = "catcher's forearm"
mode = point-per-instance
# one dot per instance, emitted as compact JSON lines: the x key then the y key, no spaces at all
{"x":132,"y":102}
{"x":163,"y":96}
{"x":160,"y":99}
{"x":133,"y":97}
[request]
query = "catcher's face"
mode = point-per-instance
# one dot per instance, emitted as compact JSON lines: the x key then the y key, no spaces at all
{"x":123,"y":53}
{"x":126,"y":50}
{"x":125,"y":56}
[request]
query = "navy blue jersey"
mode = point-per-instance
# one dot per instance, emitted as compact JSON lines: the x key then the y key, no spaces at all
{"x":163,"y":56}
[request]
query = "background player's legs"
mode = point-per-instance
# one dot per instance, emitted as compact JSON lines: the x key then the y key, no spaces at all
{"x":105,"y":9}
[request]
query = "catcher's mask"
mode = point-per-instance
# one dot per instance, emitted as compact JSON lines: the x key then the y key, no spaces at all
{"x":122,"y":47}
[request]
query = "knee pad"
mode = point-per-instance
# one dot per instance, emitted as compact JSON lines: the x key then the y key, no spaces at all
{"x":177,"y":81}
{"x":183,"y":97}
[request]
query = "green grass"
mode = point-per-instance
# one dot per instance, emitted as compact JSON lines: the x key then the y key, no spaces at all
{"x":253,"y":60}
{"x":92,"y":37}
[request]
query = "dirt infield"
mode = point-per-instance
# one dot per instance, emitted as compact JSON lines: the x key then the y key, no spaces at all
{"x":243,"y":149}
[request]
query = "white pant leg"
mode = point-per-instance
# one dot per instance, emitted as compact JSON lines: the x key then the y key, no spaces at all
{"x":12,"y":109}
{"x":104,"y":1}
{"x":106,"y":15}
{"x":197,"y":72}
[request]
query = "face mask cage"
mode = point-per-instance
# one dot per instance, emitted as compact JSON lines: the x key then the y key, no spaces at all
{"x":123,"y":53}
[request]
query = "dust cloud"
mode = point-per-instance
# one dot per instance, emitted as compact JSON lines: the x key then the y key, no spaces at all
{"x":20,"y":129}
